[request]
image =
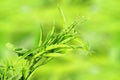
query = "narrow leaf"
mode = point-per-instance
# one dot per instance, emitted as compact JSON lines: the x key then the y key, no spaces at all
{"x":62,"y":14}
{"x":53,"y":55}
{"x":49,"y":36}
{"x":40,"y":36}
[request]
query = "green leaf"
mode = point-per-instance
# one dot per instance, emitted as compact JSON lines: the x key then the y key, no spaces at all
{"x":49,"y":36}
{"x":27,"y":53}
{"x":56,"y":46}
{"x":18,"y":49}
{"x":62,"y":14}
{"x":40,"y":37}
{"x":51,"y":47}
{"x":67,"y":40}
{"x":53,"y":55}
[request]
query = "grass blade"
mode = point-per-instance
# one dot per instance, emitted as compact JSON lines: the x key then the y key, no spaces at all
{"x":49,"y":36}
{"x":62,"y":14}
{"x":40,"y":37}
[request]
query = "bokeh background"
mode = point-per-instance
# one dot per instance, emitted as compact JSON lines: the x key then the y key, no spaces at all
{"x":20,"y":20}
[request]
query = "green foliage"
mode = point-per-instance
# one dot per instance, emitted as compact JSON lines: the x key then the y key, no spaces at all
{"x":54,"y":45}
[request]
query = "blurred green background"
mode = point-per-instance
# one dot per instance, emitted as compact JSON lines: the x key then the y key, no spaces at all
{"x":20,"y":20}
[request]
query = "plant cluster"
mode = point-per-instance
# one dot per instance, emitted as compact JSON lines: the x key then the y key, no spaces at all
{"x":54,"y":45}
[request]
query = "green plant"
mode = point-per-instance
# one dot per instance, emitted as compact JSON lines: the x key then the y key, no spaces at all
{"x":30,"y":59}
{"x":54,"y":45}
